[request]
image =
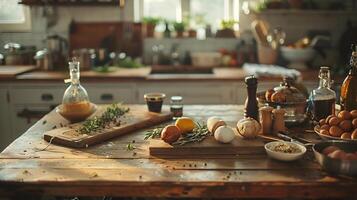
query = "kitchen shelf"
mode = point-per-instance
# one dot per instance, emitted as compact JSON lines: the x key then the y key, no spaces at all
{"x":305,"y":12}
{"x":69,"y":3}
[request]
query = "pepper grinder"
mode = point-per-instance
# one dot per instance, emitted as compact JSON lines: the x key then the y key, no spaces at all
{"x":251,"y":103}
{"x":279,"y":123}
{"x":266,"y":119}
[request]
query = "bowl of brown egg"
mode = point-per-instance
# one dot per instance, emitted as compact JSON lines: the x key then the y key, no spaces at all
{"x":342,"y":126}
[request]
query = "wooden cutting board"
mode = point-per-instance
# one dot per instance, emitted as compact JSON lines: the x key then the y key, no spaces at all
{"x":208,"y":146}
{"x":137,"y":118}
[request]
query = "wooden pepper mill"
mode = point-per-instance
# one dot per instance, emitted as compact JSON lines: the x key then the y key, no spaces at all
{"x":279,"y":123}
{"x":251,"y":103}
{"x":266,"y":119}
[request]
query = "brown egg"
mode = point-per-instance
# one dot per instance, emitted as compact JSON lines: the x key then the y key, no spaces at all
{"x":329,"y":149}
{"x":344,"y":115}
{"x":354,"y":123}
{"x":353,"y":114}
{"x":328,"y":118}
{"x":322,"y":122}
{"x":278,"y":97}
{"x":334,"y":121}
{"x":335,"y":131}
{"x":170,"y":134}
{"x":346,"y":135}
{"x":268,"y":94}
{"x":354,"y":134}
{"x":346,"y":125}
{"x":325,"y":127}
{"x":324,"y":132}
{"x":338,"y":154}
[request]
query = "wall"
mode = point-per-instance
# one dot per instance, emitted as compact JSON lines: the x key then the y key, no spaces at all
{"x":296,"y":26}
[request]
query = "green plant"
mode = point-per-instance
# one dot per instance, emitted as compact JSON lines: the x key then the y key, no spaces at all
{"x":151,"y":20}
{"x":179,"y":26}
{"x":228,"y":24}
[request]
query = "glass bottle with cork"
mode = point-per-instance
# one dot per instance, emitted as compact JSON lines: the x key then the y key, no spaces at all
{"x":348,"y":96}
{"x":322,"y":99}
{"x":75,"y":103}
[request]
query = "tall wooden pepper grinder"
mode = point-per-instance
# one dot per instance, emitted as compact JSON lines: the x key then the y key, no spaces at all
{"x":251,"y":103}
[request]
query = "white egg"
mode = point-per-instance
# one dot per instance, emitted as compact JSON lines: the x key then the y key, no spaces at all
{"x":224,"y":134}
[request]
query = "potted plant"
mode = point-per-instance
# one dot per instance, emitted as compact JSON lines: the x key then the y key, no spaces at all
{"x":227,"y":29}
{"x":179,"y":28}
{"x":150,"y":24}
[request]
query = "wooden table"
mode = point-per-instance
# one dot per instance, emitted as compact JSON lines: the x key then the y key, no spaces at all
{"x":109,"y":169}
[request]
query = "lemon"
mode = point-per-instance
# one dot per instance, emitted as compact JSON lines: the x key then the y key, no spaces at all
{"x":185,"y":124}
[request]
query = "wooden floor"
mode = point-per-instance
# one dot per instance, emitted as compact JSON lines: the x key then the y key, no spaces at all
{"x":109,"y":169}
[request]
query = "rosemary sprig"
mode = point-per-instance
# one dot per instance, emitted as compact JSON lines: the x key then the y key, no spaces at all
{"x":153,"y":133}
{"x":198,"y":134}
{"x":111,"y":115}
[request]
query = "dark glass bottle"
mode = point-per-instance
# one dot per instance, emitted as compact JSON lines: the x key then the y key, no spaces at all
{"x":251,"y":103}
{"x":322,"y":99}
{"x":349,"y":86}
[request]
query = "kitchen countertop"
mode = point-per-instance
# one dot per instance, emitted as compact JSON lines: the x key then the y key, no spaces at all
{"x":143,"y":74}
{"x":29,"y":166}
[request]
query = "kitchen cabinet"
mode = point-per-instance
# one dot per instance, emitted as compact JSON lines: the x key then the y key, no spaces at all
{"x":112,"y":93}
{"x":193,"y":92}
{"x":30,"y":102}
{"x":5,"y":122}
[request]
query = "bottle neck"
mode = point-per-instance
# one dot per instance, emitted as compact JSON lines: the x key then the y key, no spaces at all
{"x":353,"y":64}
{"x":252,"y":91}
{"x":74,"y":72}
{"x":324,"y":83}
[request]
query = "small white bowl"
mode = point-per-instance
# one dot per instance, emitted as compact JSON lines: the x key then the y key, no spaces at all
{"x":284,"y":156}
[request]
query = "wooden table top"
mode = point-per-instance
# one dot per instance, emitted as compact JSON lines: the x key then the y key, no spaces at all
{"x":109,"y":169}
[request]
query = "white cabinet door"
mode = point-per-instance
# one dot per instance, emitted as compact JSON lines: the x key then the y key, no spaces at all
{"x":30,"y":102}
{"x":193,"y":92}
{"x":111,"y":93}
{"x":5,"y":122}
{"x":24,"y":116}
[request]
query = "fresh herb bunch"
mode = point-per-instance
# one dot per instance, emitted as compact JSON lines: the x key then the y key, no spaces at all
{"x":198,"y":134}
{"x":153,"y":133}
{"x":111,"y":115}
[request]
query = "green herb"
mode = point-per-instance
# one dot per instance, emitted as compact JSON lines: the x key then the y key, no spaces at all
{"x":151,"y":20}
{"x":130,"y":147}
{"x":111,"y":115}
{"x":198,"y":134}
{"x":153,"y":133}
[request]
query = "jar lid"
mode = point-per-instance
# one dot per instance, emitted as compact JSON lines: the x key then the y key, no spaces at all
{"x":176,"y":98}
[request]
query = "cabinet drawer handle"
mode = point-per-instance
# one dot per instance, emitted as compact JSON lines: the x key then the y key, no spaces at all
{"x":106,"y":97}
{"x":47,"y":97}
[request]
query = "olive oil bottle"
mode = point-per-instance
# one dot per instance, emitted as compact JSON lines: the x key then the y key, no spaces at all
{"x":349,"y":85}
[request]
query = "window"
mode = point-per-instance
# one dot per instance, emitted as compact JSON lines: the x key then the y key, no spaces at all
{"x":13,"y":16}
{"x":200,"y":12}
{"x":207,"y":12}
{"x":166,"y":9}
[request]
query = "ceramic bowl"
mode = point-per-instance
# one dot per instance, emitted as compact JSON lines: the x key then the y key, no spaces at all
{"x":269,"y":148}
